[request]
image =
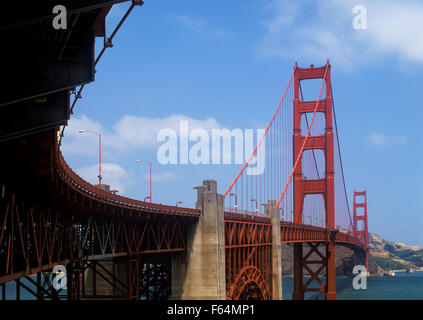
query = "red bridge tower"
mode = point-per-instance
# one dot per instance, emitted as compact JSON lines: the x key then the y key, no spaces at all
{"x":314,"y":261}
{"x":361,"y":230}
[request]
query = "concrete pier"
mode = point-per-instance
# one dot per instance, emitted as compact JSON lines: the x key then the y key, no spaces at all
{"x":274,"y":213}
{"x":201,"y":273}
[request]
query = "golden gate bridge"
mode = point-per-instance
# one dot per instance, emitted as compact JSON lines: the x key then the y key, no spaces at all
{"x":228,"y":247}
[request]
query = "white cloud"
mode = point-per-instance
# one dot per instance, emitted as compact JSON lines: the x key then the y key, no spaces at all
{"x":113,"y":175}
{"x":194,"y":24}
{"x":161,"y":176}
{"x":313,"y":31}
{"x":385,"y":140}
{"x":129,"y":133}
{"x":74,"y":142}
{"x":200,"y":26}
{"x":139,"y":132}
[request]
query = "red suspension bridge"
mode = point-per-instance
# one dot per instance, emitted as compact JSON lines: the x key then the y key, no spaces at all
{"x":228,"y":247}
{"x":304,"y":174}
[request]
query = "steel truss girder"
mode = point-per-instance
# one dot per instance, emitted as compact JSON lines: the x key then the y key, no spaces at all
{"x":142,"y":279}
{"x":248,"y":257}
{"x":41,"y":287}
{"x":35,"y":239}
{"x":155,"y":281}
{"x":312,"y":261}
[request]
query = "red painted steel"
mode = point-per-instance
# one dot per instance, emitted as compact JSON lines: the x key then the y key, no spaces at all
{"x":38,"y":234}
{"x":307,"y":236}
{"x":108,"y":198}
{"x":363,"y":231}
{"x":248,"y":253}
{"x":323,"y":186}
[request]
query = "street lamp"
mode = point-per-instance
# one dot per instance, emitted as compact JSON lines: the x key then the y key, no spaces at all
{"x":236,"y":200}
{"x":179,"y":202}
{"x":254,"y":200}
{"x":147,"y":197}
{"x":149,"y":163}
{"x":98,"y":134}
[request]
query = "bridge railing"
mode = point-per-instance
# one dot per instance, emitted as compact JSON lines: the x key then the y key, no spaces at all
{"x":238,"y":214}
{"x":91,"y":191}
{"x":319,"y":233}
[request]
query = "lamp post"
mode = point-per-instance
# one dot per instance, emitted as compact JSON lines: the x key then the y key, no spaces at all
{"x":236,"y":200}
{"x":149,"y":163}
{"x":179,"y":202}
{"x":254,"y":200}
{"x":98,"y":134}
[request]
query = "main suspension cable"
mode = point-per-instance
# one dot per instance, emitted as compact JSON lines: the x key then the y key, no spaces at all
{"x":305,"y":139}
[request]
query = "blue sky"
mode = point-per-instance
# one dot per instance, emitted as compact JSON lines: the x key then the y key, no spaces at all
{"x":225,"y":64}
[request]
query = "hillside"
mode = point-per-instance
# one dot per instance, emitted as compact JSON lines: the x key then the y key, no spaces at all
{"x":384,"y":255}
{"x":394,"y":255}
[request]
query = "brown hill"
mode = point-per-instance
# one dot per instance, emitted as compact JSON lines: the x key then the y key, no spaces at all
{"x":394,"y":255}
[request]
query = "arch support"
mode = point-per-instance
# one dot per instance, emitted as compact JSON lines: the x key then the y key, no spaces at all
{"x":249,"y":284}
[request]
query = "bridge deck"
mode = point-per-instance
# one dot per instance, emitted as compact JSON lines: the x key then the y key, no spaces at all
{"x":292,"y":232}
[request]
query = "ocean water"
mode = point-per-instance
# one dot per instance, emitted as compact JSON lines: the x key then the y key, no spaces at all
{"x":25,"y":294}
{"x":404,"y":286}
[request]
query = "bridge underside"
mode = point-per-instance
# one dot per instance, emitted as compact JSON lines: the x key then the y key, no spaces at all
{"x":41,"y":65}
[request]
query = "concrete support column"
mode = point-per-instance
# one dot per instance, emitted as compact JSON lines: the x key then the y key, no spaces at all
{"x":96,"y":285}
{"x":201,"y":273}
{"x":274,"y":213}
{"x":330,"y":293}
